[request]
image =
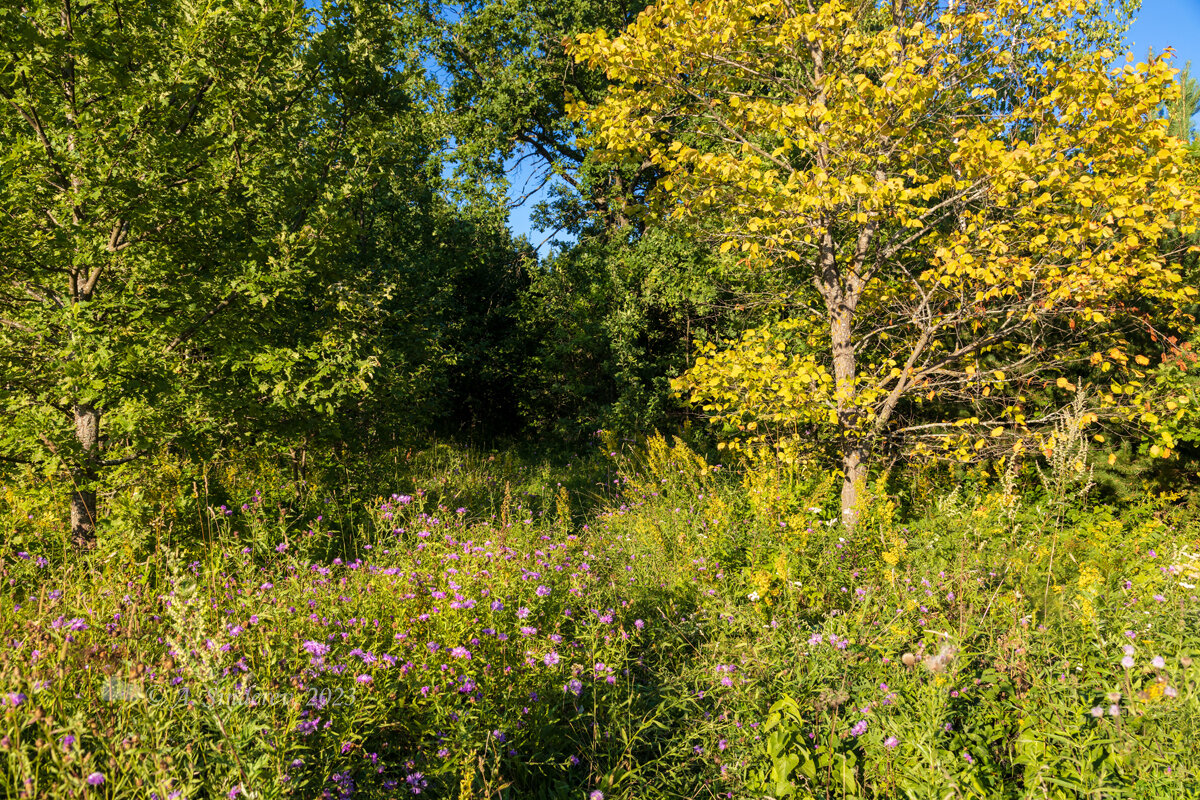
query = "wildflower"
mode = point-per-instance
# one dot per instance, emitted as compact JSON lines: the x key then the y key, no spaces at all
{"x":859,"y":728}
{"x":908,"y":659}
{"x":753,"y":597}
{"x":1170,"y":692}
{"x":497,"y":605}
{"x":550,"y":659}
{"x":315,"y":648}
{"x":363,"y":679}
{"x":891,"y":742}
{"x":67,"y":742}
{"x":573,"y":686}
{"x":522,"y":612}
{"x":95,"y":779}
{"x":637,"y":623}
{"x":542,"y":591}
{"x":1158,"y":662}
{"x":1127,"y":662}
{"x":1114,"y":710}
{"x":721,"y":745}
{"x":461,"y":652}
{"x":596,"y":795}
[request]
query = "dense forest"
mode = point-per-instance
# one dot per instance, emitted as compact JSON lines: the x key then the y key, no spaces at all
{"x":835,"y":433}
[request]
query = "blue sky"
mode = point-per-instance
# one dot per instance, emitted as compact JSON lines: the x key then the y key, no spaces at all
{"x":1160,"y":24}
{"x":1168,"y":23}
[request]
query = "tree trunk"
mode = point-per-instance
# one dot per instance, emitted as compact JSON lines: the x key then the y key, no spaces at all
{"x":854,"y":450}
{"x":83,"y":477}
{"x":854,"y":470}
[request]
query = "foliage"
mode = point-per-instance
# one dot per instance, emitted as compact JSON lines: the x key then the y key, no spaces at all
{"x":966,"y":205}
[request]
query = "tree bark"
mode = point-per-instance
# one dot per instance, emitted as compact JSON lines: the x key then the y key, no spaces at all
{"x":83,"y":477}
{"x":854,"y":471}
{"x":854,"y":448}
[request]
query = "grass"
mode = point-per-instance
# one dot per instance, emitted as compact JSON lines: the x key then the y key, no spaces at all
{"x":649,"y":624}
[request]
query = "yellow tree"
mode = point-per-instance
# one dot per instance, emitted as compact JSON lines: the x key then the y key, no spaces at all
{"x":966,"y":204}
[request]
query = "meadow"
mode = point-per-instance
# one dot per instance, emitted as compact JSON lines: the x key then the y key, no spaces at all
{"x":639,"y":623}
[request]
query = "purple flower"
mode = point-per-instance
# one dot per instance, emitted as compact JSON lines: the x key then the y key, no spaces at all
{"x":363,"y":679}
{"x":497,"y":605}
{"x":67,"y":742}
{"x":95,"y":779}
{"x":542,"y":591}
{"x":891,"y":742}
{"x":315,"y":648}
{"x":550,"y":659}
{"x":573,"y":686}
{"x":16,"y":698}
{"x":461,"y":652}
{"x":859,"y":728}
{"x":522,"y":612}
{"x":596,"y":795}
{"x":528,"y":631}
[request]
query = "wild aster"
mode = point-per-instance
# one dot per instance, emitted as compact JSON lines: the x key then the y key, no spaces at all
{"x":891,"y":742}
{"x":574,"y":686}
{"x":363,"y":679}
{"x":550,"y":659}
{"x":95,"y":779}
{"x":542,"y":591}
{"x":67,"y":742}
{"x":721,"y":745}
{"x":461,"y":652}
{"x":859,"y":728}
{"x":315,"y":648}
{"x":522,"y":612}
{"x":528,"y":631}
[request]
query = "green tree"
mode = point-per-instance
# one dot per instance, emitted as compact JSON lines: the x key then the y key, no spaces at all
{"x":174,"y":182}
{"x":1181,"y":111}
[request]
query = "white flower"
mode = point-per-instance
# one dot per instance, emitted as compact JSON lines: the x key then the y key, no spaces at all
{"x":753,"y":597}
